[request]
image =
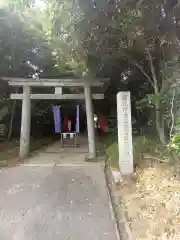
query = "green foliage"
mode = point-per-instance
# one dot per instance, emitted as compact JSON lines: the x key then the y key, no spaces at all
{"x":80,"y":38}
{"x":148,"y":147}
{"x":112,"y":128}
{"x":144,"y":144}
{"x":4,"y":112}
{"x":175,"y":144}
{"x":20,"y":43}
{"x":148,"y":101}
{"x":175,"y":138}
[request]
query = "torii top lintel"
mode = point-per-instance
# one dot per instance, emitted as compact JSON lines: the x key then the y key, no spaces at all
{"x":73,"y":82}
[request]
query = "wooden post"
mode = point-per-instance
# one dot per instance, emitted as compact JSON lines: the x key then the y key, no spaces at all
{"x":90,"y":122}
{"x":124,"y":133}
{"x":25,"y":123}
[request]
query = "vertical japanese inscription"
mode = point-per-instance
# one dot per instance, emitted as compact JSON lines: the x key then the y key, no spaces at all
{"x":124,"y":132}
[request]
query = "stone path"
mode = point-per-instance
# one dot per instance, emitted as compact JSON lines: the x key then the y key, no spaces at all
{"x":50,"y":201}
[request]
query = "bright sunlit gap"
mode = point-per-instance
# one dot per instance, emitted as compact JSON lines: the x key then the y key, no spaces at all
{"x":40,"y":4}
{"x":3,"y":3}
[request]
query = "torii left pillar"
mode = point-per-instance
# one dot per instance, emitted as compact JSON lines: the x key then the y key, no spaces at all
{"x":90,"y":122}
{"x":25,"y":123}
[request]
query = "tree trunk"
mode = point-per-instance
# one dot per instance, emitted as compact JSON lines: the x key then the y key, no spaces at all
{"x":160,"y":123}
{"x":11,"y":121}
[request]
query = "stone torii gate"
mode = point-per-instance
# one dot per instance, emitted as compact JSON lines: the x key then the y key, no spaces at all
{"x":58,"y":85}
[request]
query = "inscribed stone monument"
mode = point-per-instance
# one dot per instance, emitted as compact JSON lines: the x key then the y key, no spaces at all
{"x":124,"y":133}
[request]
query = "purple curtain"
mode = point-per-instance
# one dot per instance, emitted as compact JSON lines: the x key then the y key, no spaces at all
{"x":77,"y":118}
{"x":57,"y":119}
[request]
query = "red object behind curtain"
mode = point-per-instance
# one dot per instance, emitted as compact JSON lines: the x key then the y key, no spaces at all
{"x":65,"y":124}
{"x":103,"y":124}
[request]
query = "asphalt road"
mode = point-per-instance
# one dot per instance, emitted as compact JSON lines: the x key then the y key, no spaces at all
{"x":59,"y":203}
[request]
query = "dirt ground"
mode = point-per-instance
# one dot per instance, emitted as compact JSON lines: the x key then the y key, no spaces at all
{"x":9,"y":151}
{"x":152,"y":201}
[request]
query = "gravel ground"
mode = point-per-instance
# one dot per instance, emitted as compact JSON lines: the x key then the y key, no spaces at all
{"x":55,"y":203}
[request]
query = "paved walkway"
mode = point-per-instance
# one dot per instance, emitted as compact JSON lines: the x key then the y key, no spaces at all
{"x":55,"y":195}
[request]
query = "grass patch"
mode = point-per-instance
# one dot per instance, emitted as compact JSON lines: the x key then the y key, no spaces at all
{"x":144,"y":148}
{"x":111,"y":150}
{"x":149,"y":148}
{"x":112,"y":155}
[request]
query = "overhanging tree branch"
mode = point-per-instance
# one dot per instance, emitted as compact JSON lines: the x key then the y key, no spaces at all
{"x":135,"y":63}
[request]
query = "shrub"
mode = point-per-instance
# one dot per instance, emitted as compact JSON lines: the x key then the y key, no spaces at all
{"x":112,"y":154}
{"x":175,"y":144}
